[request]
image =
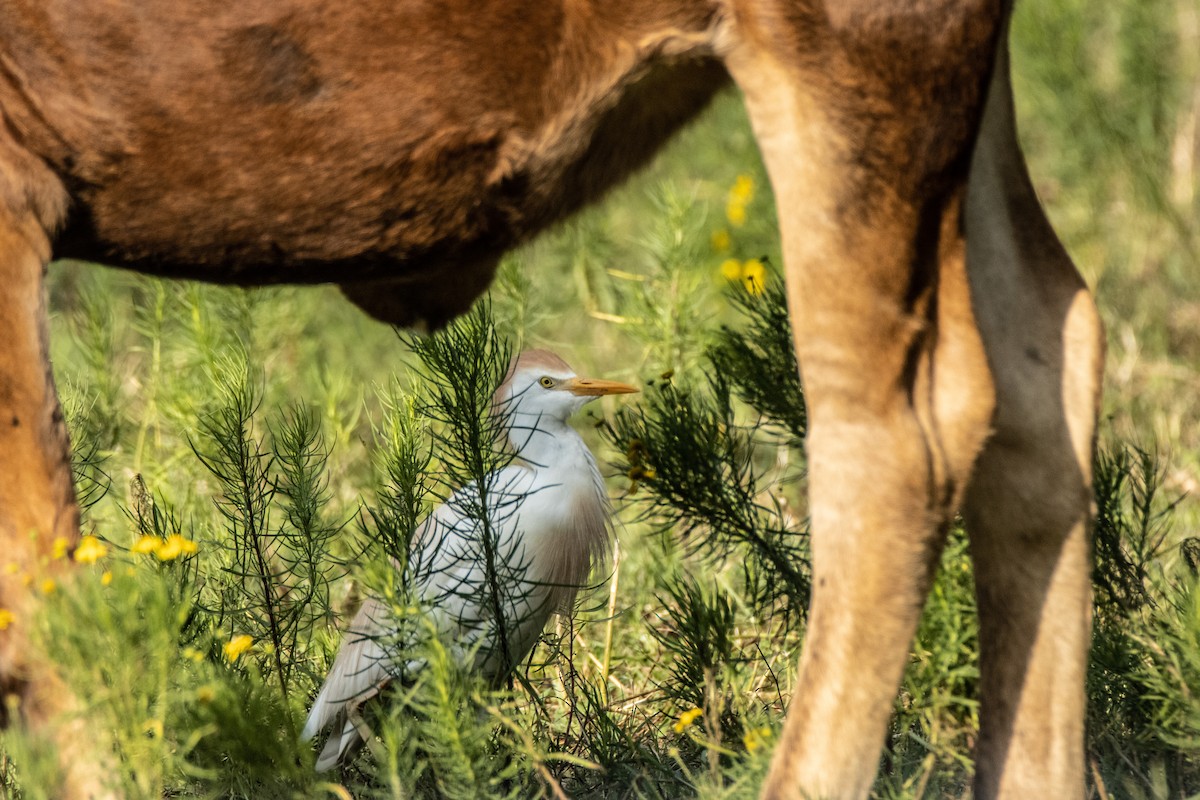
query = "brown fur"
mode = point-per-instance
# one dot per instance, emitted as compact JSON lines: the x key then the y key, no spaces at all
{"x":950,"y":352}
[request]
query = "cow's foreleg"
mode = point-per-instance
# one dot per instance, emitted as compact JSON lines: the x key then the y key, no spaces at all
{"x":37,"y":505}
{"x":37,"y":500}
{"x":865,"y":115}
{"x":1029,"y":505}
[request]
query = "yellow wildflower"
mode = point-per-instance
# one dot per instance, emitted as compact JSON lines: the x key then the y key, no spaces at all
{"x":193,"y":654}
{"x":687,"y":718}
{"x":735,"y":212}
{"x":739,"y":198}
{"x":756,"y":738}
{"x":48,"y":586}
{"x":6,"y":618}
{"x":169,"y":550}
{"x":59,"y":548}
{"x":754,"y":276}
{"x":106,"y":578}
{"x":743,"y":189}
{"x":731,"y":269}
{"x":641,"y":473}
{"x":720,"y":240}
{"x":146,"y":545}
{"x":638,"y":473}
{"x":206,"y":693}
{"x":174,"y":547}
{"x":90,"y":550}
{"x":12,"y":568}
{"x":153,"y":728}
{"x":238,"y":645}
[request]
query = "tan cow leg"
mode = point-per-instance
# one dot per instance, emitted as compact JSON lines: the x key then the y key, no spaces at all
{"x":37,"y":504}
{"x":1029,"y":506}
{"x":899,"y":393}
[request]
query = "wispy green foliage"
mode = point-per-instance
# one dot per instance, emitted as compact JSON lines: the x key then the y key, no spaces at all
{"x":660,"y":305}
{"x":439,"y":740}
{"x":403,"y":457}
{"x":1171,"y":677}
{"x":702,"y":466}
{"x":699,"y":638}
{"x":278,"y":569}
{"x":1142,"y":677}
{"x":695,"y":460}
{"x":759,"y":360}
{"x":936,"y":714}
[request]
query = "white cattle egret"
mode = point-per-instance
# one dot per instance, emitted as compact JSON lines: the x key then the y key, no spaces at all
{"x":550,"y":519}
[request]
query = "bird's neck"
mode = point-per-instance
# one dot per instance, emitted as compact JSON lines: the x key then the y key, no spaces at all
{"x":546,"y":443}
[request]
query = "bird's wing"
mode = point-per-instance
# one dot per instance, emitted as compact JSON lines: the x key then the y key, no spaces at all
{"x":452,"y":577}
{"x":445,"y":562}
{"x":447,"y":550}
{"x":360,"y":670}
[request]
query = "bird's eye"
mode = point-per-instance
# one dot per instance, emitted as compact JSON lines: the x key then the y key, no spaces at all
{"x":547,"y":382}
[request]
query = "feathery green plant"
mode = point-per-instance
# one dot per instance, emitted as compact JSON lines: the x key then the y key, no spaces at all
{"x":759,"y":358}
{"x":704,"y":476}
{"x":278,"y":569}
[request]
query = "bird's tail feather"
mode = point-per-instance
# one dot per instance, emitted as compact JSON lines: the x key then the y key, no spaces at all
{"x":360,"y":670}
{"x":338,"y":745}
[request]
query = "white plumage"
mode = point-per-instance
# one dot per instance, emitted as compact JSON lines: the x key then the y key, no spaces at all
{"x":551,"y":520}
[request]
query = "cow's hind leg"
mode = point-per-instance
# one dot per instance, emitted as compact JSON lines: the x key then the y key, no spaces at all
{"x":37,"y":505}
{"x":865,"y":114}
{"x":1029,"y":503}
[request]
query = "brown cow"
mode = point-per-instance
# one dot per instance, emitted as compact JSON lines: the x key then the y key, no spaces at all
{"x":388,"y":145}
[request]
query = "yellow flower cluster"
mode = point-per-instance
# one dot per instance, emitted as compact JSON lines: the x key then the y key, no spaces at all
{"x":167,"y":549}
{"x":721,"y":241}
{"x":90,"y":550}
{"x":59,"y":548}
{"x":739,"y":197}
{"x":237,"y":645}
{"x":687,"y":718}
{"x":751,"y":274}
{"x":639,"y":470}
{"x":756,"y":738}
{"x":642,"y":473}
{"x":6,"y":618}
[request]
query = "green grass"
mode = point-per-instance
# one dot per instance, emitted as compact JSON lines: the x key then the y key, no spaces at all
{"x":299,"y":391}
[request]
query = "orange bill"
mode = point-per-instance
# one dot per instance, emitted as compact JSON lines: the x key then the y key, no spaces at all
{"x":587,"y":387}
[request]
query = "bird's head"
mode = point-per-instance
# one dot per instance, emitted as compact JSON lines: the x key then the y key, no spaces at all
{"x":539,"y":384}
